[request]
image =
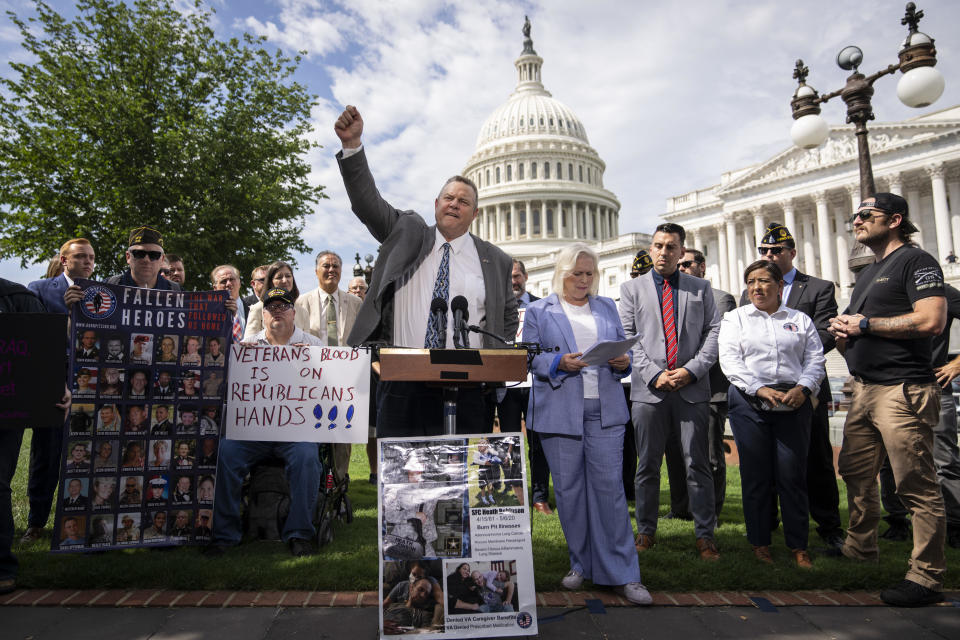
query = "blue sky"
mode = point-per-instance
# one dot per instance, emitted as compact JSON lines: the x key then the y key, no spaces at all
{"x":671,"y":95}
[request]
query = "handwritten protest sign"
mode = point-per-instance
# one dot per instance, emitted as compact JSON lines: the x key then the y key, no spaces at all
{"x":147,"y":370}
{"x":32,"y":348}
{"x":298,"y":394}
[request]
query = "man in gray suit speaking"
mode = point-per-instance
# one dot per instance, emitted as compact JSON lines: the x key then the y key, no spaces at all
{"x":676,"y":317}
{"x":416,"y":264}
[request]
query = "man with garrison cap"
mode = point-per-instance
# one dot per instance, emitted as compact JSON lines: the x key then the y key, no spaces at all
{"x":817,"y":299}
{"x":641,"y":264}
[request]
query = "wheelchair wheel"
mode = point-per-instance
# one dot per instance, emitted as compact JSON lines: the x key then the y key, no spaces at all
{"x":325,"y":530}
{"x":347,"y":509}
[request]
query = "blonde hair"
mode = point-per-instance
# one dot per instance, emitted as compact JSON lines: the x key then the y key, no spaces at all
{"x":567,"y":261}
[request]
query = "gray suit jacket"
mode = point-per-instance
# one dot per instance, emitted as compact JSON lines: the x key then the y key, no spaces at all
{"x":317,"y":325}
{"x":698,"y":324}
{"x":718,"y":382}
{"x":406,"y":239}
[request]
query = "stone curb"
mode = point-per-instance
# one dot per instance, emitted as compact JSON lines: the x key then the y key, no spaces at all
{"x":158,"y":598}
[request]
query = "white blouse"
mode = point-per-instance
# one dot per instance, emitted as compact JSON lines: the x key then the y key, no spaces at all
{"x":585,"y":333}
{"x":759,"y":349}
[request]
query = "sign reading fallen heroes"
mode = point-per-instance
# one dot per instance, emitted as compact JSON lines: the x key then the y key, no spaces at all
{"x":298,"y":394}
{"x":31,"y":369}
{"x":455,"y":552}
{"x":147,"y":369}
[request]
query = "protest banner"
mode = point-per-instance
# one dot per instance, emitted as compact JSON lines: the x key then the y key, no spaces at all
{"x":298,"y":394}
{"x":455,"y":549}
{"x":141,"y":441}
{"x":32,"y":348}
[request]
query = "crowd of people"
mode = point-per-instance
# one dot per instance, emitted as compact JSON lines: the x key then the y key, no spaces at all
{"x":601,"y":429}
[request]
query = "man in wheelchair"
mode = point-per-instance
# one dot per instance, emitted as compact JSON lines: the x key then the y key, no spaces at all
{"x":301,"y":459}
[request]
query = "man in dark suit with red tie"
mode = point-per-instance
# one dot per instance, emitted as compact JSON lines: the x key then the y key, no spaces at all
{"x":817,"y":299}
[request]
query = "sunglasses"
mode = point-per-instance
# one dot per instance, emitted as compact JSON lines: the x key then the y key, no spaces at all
{"x":774,"y":251}
{"x":686,"y":264}
{"x":278,"y":307}
{"x":868,"y":214}
{"x":140,"y":254}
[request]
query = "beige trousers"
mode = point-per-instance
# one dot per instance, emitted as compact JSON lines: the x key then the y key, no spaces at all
{"x":898,"y":421}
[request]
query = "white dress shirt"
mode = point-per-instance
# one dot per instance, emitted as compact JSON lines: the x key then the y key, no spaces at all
{"x":337,"y":305}
{"x":759,"y":349}
{"x":415,"y":293}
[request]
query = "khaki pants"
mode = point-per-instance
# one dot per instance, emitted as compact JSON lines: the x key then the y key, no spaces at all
{"x":898,"y":421}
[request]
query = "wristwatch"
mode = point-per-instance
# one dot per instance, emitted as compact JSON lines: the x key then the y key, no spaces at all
{"x":864,"y":325}
{"x":806,"y":391}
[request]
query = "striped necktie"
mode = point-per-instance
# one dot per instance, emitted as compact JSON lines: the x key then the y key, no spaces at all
{"x":669,"y":326}
{"x":436,"y":337}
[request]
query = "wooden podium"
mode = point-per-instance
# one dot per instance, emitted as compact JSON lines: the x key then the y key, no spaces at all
{"x":452,"y":369}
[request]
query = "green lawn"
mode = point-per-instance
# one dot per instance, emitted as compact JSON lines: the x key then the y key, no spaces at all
{"x":350,"y":562}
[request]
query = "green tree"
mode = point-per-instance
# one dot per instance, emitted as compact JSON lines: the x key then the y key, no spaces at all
{"x":133,"y":115}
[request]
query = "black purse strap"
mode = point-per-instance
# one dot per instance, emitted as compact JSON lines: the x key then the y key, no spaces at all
{"x":857,"y":305}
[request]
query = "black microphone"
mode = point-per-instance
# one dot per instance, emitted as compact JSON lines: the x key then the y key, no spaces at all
{"x":438,"y":309}
{"x":461,"y":336}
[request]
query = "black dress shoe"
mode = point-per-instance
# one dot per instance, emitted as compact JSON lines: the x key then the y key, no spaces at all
{"x":833,"y":540}
{"x":300,"y":547}
{"x":898,"y":531}
{"x":678,"y":516}
{"x":910,"y":594}
{"x":953,"y":537}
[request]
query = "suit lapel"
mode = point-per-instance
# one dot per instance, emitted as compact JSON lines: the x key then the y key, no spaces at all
{"x":796,"y":290}
{"x":563,"y":323}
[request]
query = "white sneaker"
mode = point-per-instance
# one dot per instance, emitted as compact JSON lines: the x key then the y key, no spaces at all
{"x":635,"y":592}
{"x":572,"y":580}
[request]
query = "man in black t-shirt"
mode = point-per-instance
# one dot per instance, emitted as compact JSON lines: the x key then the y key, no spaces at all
{"x":897,"y":304}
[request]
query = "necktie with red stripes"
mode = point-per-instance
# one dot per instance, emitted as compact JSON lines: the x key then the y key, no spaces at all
{"x":669,"y":326}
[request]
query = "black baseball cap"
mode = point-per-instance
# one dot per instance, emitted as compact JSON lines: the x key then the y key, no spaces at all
{"x":892,"y":203}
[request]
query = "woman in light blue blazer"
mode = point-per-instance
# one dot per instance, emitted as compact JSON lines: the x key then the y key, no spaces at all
{"x":580,"y":412}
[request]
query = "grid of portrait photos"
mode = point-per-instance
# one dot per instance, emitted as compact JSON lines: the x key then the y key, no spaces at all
{"x":432,"y":570}
{"x":141,"y":441}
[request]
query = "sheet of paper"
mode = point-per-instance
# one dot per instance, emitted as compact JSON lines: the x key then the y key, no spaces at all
{"x":600,"y":352}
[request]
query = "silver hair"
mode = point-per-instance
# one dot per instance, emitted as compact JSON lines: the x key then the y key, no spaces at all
{"x":567,"y":260}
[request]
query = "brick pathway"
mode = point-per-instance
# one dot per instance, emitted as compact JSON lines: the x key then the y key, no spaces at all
{"x":222,"y":599}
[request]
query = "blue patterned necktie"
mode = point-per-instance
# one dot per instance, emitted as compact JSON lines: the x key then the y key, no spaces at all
{"x":436,"y":337}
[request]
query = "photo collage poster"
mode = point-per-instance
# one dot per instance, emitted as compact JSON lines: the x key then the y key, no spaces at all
{"x":455,"y":548}
{"x":148,"y":371}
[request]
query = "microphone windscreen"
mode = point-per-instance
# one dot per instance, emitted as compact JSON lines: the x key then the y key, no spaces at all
{"x":438,"y":305}
{"x":459,"y":303}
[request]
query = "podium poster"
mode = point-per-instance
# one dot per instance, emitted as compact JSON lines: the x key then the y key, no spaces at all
{"x":298,"y":394}
{"x":455,"y":550}
{"x":31,"y":369}
{"x":147,"y":369}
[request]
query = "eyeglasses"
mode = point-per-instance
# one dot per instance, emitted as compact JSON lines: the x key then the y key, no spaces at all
{"x":774,"y":251}
{"x":278,"y":307}
{"x":140,"y":254}
{"x":868,"y":214}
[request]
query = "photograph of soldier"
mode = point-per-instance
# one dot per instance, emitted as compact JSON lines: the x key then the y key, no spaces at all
{"x":78,"y":456}
{"x":487,"y":463}
{"x":210,"y":421}
{"x":101,"y":530}
{"x":205,"y":489}
{"x":167,"y":349}
{"x":106,"y":458}
{"x":204,"y":525}
{"x":133,"y":455}
{"x":163,"y":388}
{"x":215,"y":355}
{"x":73,"y":531}
{"x":183,"y":490}
{"x":189,"y":384}
{"x":408,"y":510}
{"x":88,"y":347}
{"x":141,"y":348}
{"x":159,"y":457}
{"x":111,"y":382}
{"x":208,"y":453}
{"x":157,"y":531}
{"x":136,"y":423}
{"x":191,"y":351}
{"x":157,"y":489}
{"x":81,"y":419}
{"x":184,"y":458}
{"x":187,"y":426}
{"x":213,"y":384}
{"x":85,"y":384}
{"x":104,"y":492}
{"x":129,"y":531}
{"x":115,"y":353}
{"x":108,"y":419}
{"x":162,"y":425}
{"x":75,"y":494}
{"x":182,"y":524}
{"x":132,"y":494}
{"x":137,"y":387}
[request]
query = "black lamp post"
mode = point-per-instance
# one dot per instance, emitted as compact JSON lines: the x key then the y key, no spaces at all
{"x":919,"y":86}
